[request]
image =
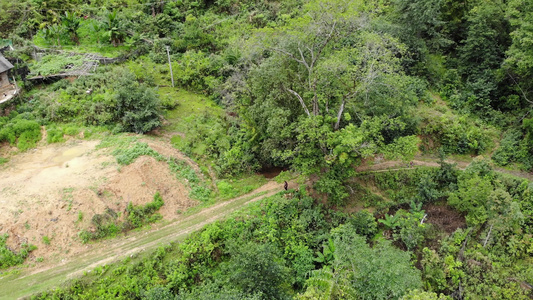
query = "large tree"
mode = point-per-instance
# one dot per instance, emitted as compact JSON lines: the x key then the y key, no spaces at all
{"x":361,"y":272}
{"x":330,"y":58}
{"x":320,"y":92}
{"x":519,"y":62}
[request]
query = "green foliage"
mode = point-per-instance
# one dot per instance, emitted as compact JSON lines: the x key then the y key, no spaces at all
{"x":326,"y":257}
{"x":371,"y":273}
{"x":458,"y":134}
{"x":411,"y":230}
{"x":422,"y":295}
{"x":226,"y":190}
{"x":509,"y":150}
{"x":137,"y":106}
{"x":158,"y":293}
{"x":54,"y":64}
{"x":427,"y":189}
{"x":71,"y":23}
{"x":364,"y":224}
{"x":257,"y":269}
{"x":474,"y":188}
{"x":128,"y":155}
{"x":54,"y":135}
{"x":46,"y":240}
{"x":140,"y":215}
{"x":113,"y":27}
{"x":325,"y":284}
{"x":195,"y":71}
{"x":519,"y":56}
{"x":8,"y":257}
{"x":391,"y":222}
{"x":22,"y":130}
{"x":107,"y":224}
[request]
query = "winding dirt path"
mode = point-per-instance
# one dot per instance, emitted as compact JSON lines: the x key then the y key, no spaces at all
{"x":427,"y":161}
{"x":13,"y":286}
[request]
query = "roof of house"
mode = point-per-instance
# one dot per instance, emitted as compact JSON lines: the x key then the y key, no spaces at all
{"x":5,"y":65}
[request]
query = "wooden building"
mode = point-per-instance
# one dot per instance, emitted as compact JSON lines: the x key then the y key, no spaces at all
{"x":5,"y":66}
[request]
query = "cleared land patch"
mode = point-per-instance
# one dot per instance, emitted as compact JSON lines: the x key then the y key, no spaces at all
{"x":49,"y":194}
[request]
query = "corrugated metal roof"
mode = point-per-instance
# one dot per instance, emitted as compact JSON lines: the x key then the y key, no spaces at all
{"x":5,"y":65}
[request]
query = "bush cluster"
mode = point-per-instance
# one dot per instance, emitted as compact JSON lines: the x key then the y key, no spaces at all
{"x":107,"y":224}
{"x":21,"y":130}
{"x":8,"y":257}
{"x":458,"y":135}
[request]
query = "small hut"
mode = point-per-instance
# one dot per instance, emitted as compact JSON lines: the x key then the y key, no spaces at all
{"x":5,"y":66}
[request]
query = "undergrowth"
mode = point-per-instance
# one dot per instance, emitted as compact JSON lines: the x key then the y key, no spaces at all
{"x":21,"y":130}
{"x":8,"y":257}
{"x":108,"y":224}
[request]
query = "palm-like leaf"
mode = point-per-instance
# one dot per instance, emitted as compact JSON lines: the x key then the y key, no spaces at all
{"x":331,"y":285}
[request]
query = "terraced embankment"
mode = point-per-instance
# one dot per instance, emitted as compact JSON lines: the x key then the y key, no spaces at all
{"x":31,"y":281}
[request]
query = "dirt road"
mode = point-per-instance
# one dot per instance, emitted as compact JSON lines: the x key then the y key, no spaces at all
{"x":29,"y":282}
{"x":426,"y":161}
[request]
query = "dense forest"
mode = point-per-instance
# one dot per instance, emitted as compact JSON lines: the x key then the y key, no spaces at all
{"x":320,"y":89}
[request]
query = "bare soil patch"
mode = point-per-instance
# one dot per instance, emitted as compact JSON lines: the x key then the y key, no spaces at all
{"x":44,"y":191}
{"x":444,"y":217}
{"x":271,"y":172}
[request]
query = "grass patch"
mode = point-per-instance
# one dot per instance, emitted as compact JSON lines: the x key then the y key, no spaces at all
{"x":55,"y":132}
{"x":126,"y":156}
{"x":106,"y":50}
{"x":191,"y":106}
{"x":123,"y":141}
{"x":235,"y":187}
{"x":46,"y":240}
{"x":54,"y":135}
{"x":22,"y":131}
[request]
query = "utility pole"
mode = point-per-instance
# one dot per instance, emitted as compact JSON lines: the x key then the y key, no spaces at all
{"x":170,"y":65}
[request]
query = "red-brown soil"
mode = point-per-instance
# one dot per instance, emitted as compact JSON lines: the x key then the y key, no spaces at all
{"x":43,"y":192}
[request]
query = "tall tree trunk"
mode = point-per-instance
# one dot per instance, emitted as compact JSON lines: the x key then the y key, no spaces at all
{"x":301,"y":101}
{"x":339,"y":114}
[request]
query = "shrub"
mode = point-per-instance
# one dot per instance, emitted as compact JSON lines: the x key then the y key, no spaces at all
{"x":8,"y":257}
{"x":364,"y":224}
{"x":127,"y":156}
{"x":137,"y":105}
{"x":54,"y":135}
{"x":226,"y":189}
{"x":72,"y":131}
{"x":22,"y":130}
{"x":200,"y":193}
{"x":513,"y":148}
{"x":458,"y":134}
{"x":140,"y":215}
